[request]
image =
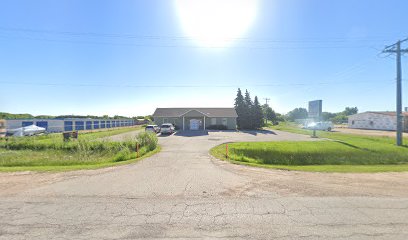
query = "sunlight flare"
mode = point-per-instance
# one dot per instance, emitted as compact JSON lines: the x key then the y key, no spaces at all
{"x":216,"y":23}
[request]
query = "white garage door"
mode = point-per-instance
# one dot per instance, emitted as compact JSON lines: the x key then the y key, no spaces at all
{"x":194,"y":124}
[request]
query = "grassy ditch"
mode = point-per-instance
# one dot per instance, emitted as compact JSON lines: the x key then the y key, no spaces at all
{"x":337,"y":153}
{"x":52,"y":153}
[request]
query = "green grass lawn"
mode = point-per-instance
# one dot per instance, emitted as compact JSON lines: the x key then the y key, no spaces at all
{"x":108,"y":132}
{"x":336,"y":152}
{"x":50,"y":152}
{"x":87,"y":135}
{"x":39,"y":162}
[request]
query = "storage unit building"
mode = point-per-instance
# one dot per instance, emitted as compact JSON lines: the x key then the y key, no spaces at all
{"x":88,"y":125}
{"x":79,"y":125}
{"x":66,"y":124}
{"x":51,"y":125}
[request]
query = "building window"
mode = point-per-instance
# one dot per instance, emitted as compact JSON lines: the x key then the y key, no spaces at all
{"x":352,"y":122}
{"x":213,"y":121}
{"x":224,"y":121}
{"x":371,"y":123}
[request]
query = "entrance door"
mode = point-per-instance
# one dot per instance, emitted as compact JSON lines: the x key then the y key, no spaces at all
{"x":194,"y":124}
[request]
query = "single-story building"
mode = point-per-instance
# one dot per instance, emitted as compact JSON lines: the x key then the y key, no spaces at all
{"x":197,"y":118}
{"x":68,"y":124}
{"x":377,"y":121}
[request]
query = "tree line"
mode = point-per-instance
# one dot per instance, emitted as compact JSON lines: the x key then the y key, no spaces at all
{"x":340,"y":117}
{"x":251,"y":115}
{"x":4,"y":115}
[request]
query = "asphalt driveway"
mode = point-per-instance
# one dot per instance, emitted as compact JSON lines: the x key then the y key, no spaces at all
{"x":182,"y":192}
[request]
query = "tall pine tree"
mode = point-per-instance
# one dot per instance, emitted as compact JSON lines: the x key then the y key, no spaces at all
{"x":240,"y":108}
{"x":257,"y":114}
{"x":247,"y":123}
{"x":250,"y":114}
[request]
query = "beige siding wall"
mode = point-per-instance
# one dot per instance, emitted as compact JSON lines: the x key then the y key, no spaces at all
{"x":176,"y":121}
{"x":231,"y":123}
{"x":373,"y":121}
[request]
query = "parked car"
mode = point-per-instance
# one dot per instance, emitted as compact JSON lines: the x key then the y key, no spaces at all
{"x":152,"y":128}
{"x":325,"y":126}
{"x":167,"y":128}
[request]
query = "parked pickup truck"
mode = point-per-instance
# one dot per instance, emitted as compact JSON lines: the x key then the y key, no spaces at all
{"x":324,"y":126}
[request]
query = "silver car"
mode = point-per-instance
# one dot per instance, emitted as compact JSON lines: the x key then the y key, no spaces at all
{"x":167,"y":128}
{"x":152,"y":128}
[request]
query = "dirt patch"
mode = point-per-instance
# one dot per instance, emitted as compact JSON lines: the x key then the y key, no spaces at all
{"x":297,"y":183}
{"x":17,"y":182}
{"x":368,"y":132}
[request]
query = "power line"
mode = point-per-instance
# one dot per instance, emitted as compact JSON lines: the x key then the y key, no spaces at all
{"x":138,"y":36}
{"x":153,"y":45}
{"x":180,"y":41}
{"x":181,"y":85}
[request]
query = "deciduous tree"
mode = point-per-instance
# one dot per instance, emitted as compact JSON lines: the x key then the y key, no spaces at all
{"x":297,"y":113}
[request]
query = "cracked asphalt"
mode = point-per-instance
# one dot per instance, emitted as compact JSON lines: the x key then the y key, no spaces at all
{"x":183,"y":193}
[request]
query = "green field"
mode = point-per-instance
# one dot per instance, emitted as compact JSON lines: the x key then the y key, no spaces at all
{"x":336,"y":152}
{"x":50,"y":152}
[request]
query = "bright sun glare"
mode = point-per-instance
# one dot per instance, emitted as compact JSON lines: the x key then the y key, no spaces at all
{"x":216,"y":23}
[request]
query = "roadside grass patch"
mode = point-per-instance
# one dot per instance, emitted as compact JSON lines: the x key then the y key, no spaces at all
{"x":336,"y":152}
{"x":51,"y":151}
{"x":313,"y":153}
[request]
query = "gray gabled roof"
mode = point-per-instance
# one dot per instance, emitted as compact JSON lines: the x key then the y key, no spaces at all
{"x":209,"y":112}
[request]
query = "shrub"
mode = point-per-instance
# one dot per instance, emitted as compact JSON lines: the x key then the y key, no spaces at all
{"x":217,"y":127}
{"x":123,"y":155}
{"x":86,"y":149}
{"x":148,"y":140}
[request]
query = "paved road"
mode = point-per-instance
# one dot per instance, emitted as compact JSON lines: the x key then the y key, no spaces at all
{"x":183,"y":193}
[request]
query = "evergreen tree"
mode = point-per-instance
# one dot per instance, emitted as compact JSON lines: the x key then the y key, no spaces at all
{"x":257,"y":114}
{"x":247,"y":116}
{"x":247,"y":99}
{"x":240,"y":108}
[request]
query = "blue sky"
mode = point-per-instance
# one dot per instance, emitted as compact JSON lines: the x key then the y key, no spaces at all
{"x":129,"y":57}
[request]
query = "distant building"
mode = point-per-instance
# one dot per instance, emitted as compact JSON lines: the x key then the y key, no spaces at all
{"x":2,"y":128}
{"x":377,"y":121}
{"x":141,"y":121}
{"x":197,"y":118}
{"x":69,"y":124}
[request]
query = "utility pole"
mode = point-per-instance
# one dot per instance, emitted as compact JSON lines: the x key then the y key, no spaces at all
{"x":267,"y":100}
{"x":396,"y":48}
